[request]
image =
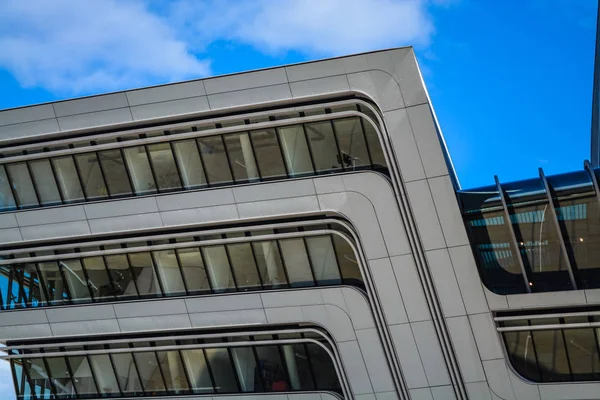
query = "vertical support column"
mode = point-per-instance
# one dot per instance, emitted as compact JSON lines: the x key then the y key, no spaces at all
{"x":589,"y":169}
{"x":563,"y":246}
{"x":513,"y":238}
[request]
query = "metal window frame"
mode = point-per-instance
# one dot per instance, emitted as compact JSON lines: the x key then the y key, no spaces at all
{"x":331,"y":349}
{"x":565,"y":254}
{"x":513,"y":237}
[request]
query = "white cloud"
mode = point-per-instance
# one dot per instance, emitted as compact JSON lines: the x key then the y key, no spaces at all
{"x":312,"y":27}
{"x":80,"y":47}
{"x":83,"y":46}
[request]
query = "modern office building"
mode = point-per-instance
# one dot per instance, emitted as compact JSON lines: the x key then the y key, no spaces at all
{"x":294,"y":233}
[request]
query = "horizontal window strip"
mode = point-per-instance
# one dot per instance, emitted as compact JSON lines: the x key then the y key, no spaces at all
{"x":193,"y":159}
{"x":547,"y":239}
{"x":263,"y":259}
{"x":301,"y":359}
{"x":553,"y":347}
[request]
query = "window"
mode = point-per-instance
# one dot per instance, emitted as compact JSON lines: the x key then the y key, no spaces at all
{"x":295,"y":150}
{"x":114,"y":172}
{"x":189,"y":163}
{"x":197,"y":368}
{"x":218,"y":268}
{"x":22,"y":185}
{"x":144,"y":274}
{"x":82,"y":376}
{"x":215,"y":160}
{"x":163,"y":163}
{"x":99,"y":281}
{"x":193,"y":270}
{"x":220,"y":365}
{"x":323,"y":146}
{"x":91,"y":176}
{"x":559,"y":350}
{"x":122,"y":278}
{"x":139,"y":169}
{"x":76,"y":280}
{"x":169,"y":272}
{"x":7,"y":200}
{"x":323,"y":259}
{"x":244,"y":267}
{"x":268,"y":153}
{"x":353,"y":145}
{"x":127,"y":374}
{"x":229,"y":365}
{"x":270,"y":264}
{"x":104,"y":373}
{"x":241,"y":156}
{"x":296,"y":262}
{"x":43,"y":179}
{"x":68,"y":179}
{"x":192,"y":266}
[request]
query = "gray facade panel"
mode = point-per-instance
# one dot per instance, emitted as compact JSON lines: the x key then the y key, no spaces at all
{"x":255,"y":79}
{"x":26,"y":114}
{"x":249,"y":96}
{"x":170,"y":108}
{"x":95,"y":119}
{"x":51,"y":216}
{"x":28,"y":129}
{"x":121,"y":208}
{"x":165,"y":93}
{"x":56,"y":230}
{"x":90,"y":104}
{"x":80,"y":313}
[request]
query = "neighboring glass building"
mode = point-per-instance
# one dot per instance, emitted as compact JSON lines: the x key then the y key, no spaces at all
{"x":296,"y":232}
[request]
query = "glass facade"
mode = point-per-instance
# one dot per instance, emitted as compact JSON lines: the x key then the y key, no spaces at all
{"x":191,"y":365}
{"x":526,"y":253}
{"x":172,"y":164}
{"x":181,"y":266}
{"x":553,"y":349}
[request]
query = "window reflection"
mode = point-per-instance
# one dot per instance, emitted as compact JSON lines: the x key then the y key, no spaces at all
{"x":551,"y":354}
{"x":249,"y":369}
{"x":22,"y":185}
{"x":323,"y":146}
{"x":169,"y":272}
{"x":241,"y":156}
{"x":296,"y":262}
{"x":295,"y":150}
{"x":7,"y":200}
{"x":290,"y":151}
{"x":244,"y":267}
{"x":139,"y":170}
{"x":190,"y":164}
{"x":252,"y":265}
{"x":43,"y":179}
{"x":213,"y":153}
{"x":68,"y":179}
{"x":353,"y":145}
{"x":114,"y":172}
{"x":163,"y":162}
{"x":219,"y":271}
{"x":144,"y":275}
{"x":91,"y":176}
{"x":268,"y":153}
{"x":323,"y":259}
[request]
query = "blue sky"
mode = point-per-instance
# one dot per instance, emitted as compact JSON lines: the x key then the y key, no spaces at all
{"x":510,"y":80}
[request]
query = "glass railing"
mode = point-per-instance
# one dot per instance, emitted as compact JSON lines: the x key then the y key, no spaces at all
{"x":179,"y":265}
{"x":175,"y":366}
{"x":536,"y":235}
{"x":188,"y":157}
{"x":553,"y":348}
